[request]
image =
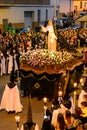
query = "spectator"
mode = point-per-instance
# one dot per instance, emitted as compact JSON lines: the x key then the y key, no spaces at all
{"x":29,"y":126}
{"x":60,"y":122}
{"x":78,"y":118}
{"x":70,"y":121}
{"x":2,"y":60}
{"x":66,"y":105}
{"x":47,"y":125}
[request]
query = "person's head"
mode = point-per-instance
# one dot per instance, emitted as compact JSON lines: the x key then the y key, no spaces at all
{"x":50,"y":22}
{"x":28,"y":125}
{"x":68,"y":114}
{"x":47,"y":125}
{"x":12,"y":77}
{"x":85,"y":88}
{"x":85,"y":97}
{"x":49,"y":114}
{"x":78,"y":111}
{"x":61,"y":121}
{"x":83,"y":104}
{"x":67,"y":104}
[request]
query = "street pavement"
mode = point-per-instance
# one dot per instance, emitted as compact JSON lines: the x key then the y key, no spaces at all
{"x":7,"y":121}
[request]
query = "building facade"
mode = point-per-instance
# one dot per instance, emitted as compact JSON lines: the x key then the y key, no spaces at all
{"x":30,"y":12}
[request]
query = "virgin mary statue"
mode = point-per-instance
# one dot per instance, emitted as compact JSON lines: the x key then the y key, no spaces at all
{"x":51,"y":35}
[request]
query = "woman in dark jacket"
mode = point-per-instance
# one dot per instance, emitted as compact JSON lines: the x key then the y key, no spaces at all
{"x":47,"y":125}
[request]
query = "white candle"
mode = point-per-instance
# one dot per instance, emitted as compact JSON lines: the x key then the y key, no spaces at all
{"x":45,"y":108}
{"x":82,"y":81}
{"x":60,"y":93}
{"x":74,"y":100}
{"x":17,"y":118}
{"x":1,"y":54}
{"x":45,"y":105}
{"x":75,"y":85}
{"x":45,"y":99}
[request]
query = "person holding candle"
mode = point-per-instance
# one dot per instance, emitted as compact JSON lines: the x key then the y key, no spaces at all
{"x":60,"y":124}
{"x":29,"y":124}
{"x":78,"y":118}
{"x":81,"y":114}
{"x":65,"y":105}
{"x":70,"y":121}
{"x":45,"y":105}
{"x":2,"y":63}
{"x":17,"y":118}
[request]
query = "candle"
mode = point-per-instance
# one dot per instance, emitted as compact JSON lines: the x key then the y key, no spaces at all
{"x":60,"y":93}
{"x":81,"y":81}
{"x":52,"y":106}
{"x":1,"y":54}
{"x":45,"y":108}
{"x":45,"y":99}
{"x":17,"y":118}
{"x":45,"y":105}
{"x":75,"y":85}
{"x":13,"y":51}
{"x":74,"y":100}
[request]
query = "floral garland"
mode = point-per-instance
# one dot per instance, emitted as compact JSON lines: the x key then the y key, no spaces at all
{"x":41,"y":57}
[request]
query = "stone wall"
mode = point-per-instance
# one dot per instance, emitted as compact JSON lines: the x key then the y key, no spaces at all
{"x":46,"y":2}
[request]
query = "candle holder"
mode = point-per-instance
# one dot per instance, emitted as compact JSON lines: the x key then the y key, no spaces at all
{"x":60,"y":94}
{"x":45,"y":100}
{"x":82,"y":82}
{"x":45,"y":105}
{"x":74,"y":99}
{"x":17,"y":119}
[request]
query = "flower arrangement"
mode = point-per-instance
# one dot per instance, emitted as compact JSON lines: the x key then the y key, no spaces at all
{"x":41,"y":57}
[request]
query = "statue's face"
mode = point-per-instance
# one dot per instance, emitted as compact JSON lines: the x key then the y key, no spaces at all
{"x":50,"y":22}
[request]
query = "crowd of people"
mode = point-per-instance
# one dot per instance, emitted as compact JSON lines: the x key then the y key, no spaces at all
{"x":62,"y":118}
{"x":75,"y":37}
{"x":14,"y":45}
{"x":71,"y":120}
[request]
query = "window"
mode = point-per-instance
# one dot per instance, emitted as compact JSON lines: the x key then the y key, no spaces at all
{"x":5,"y":22}
{"x":46,"y":14}
{"x":38,"y":17}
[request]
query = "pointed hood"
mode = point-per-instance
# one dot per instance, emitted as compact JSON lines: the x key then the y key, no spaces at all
{"x":29,"y":113}
{"x":12,"y":77}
